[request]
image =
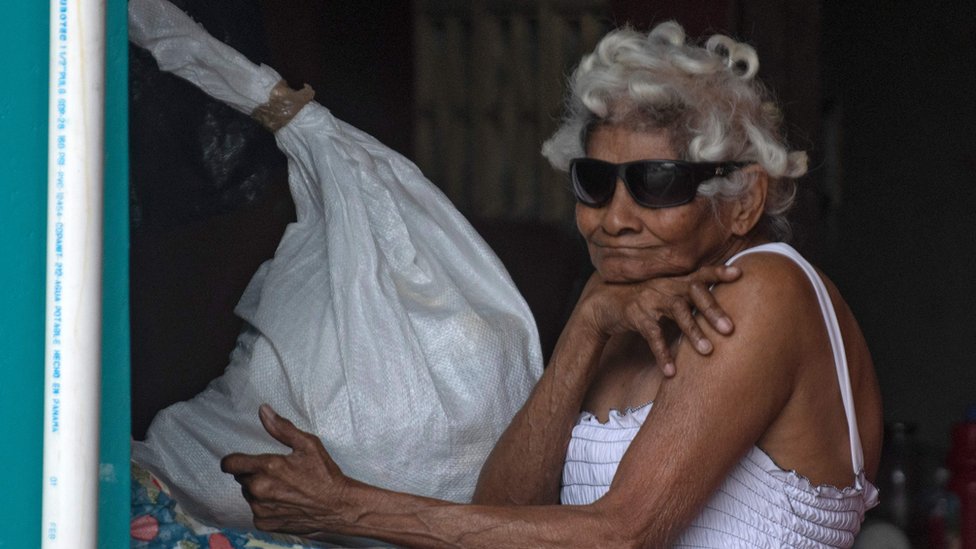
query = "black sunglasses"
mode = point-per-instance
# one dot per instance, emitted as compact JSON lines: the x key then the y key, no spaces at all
{"x":651,"y":183}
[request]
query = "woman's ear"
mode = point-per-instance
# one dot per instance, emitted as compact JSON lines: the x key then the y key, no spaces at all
{"x":749,"y":207}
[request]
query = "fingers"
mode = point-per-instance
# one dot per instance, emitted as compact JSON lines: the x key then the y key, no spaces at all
{"x":247,"y":466}
{"x":650,"y":328}
{"x":706,"y":304}
{"x":701,"y":296}
{"x":683,"y":317}
{"x":716,"y":274}
{"x":730,"y":273}
{"x":242,"y":464}
{"x":642,"y":306}
{"x":283,"y":430}
{"x":248,"y":497}
{"x":259,"y":475}
{"x":661,"y":352}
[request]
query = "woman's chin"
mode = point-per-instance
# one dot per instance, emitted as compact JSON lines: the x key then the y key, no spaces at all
{"x":628,"y":271}
{"x":625,"y":275}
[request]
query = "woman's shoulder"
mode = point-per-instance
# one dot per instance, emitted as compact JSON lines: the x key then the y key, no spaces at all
{"x":777,"y":280}
{"x":776,"y":308}
{"x":773,"y":283}
{"x":776,"y":264}
{"x":772,"y":306}
{"x":778,"y":302}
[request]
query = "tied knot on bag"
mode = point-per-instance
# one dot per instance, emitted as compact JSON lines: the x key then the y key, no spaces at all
{"x":283,"y":104}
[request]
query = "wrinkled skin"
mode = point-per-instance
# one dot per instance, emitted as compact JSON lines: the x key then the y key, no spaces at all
{"x":286,"y":491}
{"x":647,"y":307}
{"x":653,"y":269}
{"x":652,"y":264}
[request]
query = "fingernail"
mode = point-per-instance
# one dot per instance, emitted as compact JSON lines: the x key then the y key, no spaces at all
{"x":724,"y":325}
{"x":266,"y":412}
{"x":733,"y":270}
{"x":704,"y":346}
{"x":669,"y":369}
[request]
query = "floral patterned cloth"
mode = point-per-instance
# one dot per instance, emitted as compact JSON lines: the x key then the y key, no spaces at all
{"x":158,"y":522}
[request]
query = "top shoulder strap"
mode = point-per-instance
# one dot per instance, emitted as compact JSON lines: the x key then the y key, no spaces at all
{"x":833,"y":332}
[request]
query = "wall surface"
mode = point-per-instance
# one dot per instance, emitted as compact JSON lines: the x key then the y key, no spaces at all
{"x":900,"y":77}
{"x":23,"y":140}
{"x":891,"y":82}
{"x":23,"y":205}
{"x":113,"y":517}
{"x":880,"y":94}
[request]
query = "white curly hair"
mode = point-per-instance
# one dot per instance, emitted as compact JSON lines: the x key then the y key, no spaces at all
{"x":706,"y":99}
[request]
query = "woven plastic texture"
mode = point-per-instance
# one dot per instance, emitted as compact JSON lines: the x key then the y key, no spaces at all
{"x":384,"y":323}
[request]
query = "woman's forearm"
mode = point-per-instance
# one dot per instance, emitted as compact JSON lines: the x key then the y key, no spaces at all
{"x":305,"y":493}
{"x":414,"y":521}
{"x":525,"y":466}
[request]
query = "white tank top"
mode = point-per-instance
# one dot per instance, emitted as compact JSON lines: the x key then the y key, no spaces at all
{"x":759,"y":504}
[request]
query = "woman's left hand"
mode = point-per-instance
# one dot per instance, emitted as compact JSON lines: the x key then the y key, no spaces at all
{"x":299,"y":493}
{"x":610,"y":308}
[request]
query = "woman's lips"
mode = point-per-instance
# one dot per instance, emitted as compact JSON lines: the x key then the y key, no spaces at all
{"x":621,"y":250}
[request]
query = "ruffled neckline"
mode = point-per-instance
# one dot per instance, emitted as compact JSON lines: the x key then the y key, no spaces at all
{"x":862,"y":487}
{"x":632,"y":416}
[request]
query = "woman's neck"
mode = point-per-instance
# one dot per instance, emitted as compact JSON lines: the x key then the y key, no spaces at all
{"x":734,"y":246}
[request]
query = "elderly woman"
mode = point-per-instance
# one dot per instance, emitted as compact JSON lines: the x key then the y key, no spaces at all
{"x":678,"y":167}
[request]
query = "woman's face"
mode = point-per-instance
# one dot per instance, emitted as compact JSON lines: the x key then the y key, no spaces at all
{"x":628,"y":242}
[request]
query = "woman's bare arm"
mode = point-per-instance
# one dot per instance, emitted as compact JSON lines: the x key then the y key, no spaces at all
{"x":304,"y":493}
{"x":525,"y":466}
{"x":700,"y":426}
{"x":705,"y":420}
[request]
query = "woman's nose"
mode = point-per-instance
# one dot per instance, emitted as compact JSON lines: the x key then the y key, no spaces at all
{"x":622,"y":213}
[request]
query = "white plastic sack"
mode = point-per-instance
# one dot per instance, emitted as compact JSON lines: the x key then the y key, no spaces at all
{"x":384,"y":323}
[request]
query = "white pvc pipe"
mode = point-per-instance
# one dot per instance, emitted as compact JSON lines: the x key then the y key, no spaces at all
{"x":74,"y":274}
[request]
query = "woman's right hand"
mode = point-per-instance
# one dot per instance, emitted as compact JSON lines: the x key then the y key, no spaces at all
{"x":613,"y":308}
{"x":300,"y":493}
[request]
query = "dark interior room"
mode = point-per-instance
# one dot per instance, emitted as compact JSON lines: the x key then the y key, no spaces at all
{"x":878,"y":92}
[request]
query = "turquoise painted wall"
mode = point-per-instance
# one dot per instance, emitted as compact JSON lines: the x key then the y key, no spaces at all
{"x":23,"y":142}
{"x":23,"y":205}
{"x":113,"y":520}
